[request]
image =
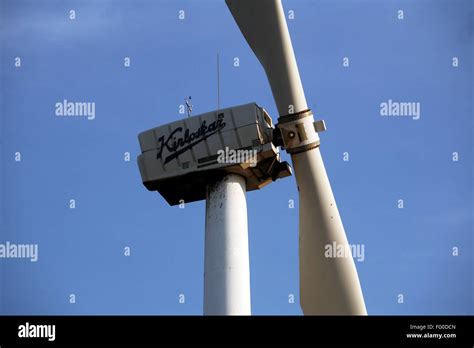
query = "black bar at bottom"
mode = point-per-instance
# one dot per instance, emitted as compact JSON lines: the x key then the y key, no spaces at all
{"x":137,"y":330}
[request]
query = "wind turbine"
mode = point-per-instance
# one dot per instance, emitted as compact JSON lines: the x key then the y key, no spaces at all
{"x":190,"y":160}
{"x":327,"y":285}
{"x":182,"y":161}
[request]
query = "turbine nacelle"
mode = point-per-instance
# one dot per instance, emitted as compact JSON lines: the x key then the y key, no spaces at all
{"x":181,"y":158}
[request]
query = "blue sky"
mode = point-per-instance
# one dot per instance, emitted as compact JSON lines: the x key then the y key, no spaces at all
{"x":81,"y":251}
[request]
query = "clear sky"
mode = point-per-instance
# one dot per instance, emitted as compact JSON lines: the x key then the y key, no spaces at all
{"x":408,"y":251}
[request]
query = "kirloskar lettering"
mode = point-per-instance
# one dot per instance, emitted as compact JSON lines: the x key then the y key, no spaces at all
{"x":177,"y":146}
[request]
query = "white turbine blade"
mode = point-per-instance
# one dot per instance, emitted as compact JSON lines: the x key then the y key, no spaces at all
{"x":262,"y":22}
{"x":328,"y":285}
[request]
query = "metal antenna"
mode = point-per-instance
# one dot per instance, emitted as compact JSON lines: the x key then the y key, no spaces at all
{"x":218,"y":84}
{"x":189,"y":106}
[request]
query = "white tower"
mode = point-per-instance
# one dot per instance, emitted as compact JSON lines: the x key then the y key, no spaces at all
{"x":226,"y":260}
